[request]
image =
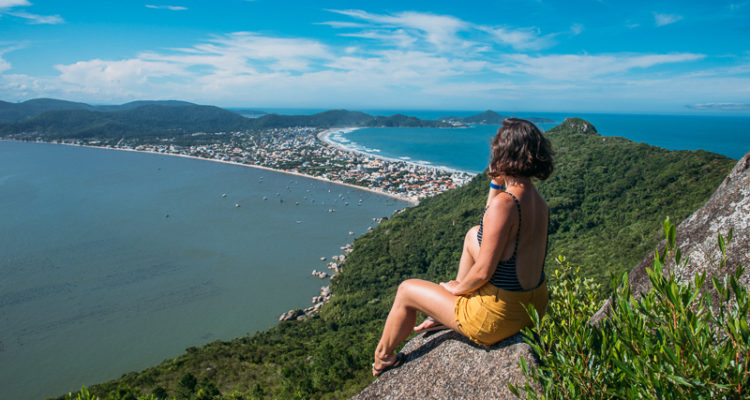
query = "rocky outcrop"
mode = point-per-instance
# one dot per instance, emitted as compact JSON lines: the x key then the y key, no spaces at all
{"x":446,"y":365}
{"x":728,"y":208}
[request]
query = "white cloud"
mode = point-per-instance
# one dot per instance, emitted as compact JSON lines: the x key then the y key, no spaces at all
{"x":112,"y":76}
{"x":666,"y":19}
{"x":6,"y":5}
{"x":576,"y":29}
{"x":172,"y":8}
{"x":38,"y":19}
{"x":721,"y":106}
{"x":398,"y":38}
{"x":440,"y":31}
{"x":586,"y":67}
{"x":13,"y":3}
{"x":4,"y":65}
{"x":522,"y":39}
{"x":738,"y":6}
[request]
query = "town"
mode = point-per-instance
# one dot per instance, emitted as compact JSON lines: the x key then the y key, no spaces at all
{"x":299,"y":150}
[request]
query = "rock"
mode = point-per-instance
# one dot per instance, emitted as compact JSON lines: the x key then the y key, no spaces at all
{"x":446,"y":365}
{"x":728,"y":207}
{"x":291,"y":315}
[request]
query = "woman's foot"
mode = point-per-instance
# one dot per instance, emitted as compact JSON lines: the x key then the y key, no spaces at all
{"x":382,"y":365}
{"x":428,"y":325}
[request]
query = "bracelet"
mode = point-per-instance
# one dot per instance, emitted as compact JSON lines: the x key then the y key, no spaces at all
{"x":495,"y":186}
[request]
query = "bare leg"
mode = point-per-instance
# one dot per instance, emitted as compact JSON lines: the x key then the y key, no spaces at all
{"x":469,"y":254}
{"x":413,"y":295}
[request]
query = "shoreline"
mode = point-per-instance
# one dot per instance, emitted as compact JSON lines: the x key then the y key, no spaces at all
{"x":410,"y":200}
{"x":324,"y":137}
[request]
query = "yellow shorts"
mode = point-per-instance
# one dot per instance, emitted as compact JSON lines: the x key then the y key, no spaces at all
{"x":490,"y":314}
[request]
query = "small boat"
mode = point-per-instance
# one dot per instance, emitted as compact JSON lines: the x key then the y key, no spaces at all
{"x":237,"y":205}
{"x":223,"y":195}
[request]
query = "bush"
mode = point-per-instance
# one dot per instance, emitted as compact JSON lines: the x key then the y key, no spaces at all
{"x":670,"y":343}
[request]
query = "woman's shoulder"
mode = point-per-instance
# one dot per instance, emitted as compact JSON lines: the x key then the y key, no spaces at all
{"x":504,"y":202}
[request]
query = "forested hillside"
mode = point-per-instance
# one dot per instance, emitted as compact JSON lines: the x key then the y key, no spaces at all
{"x":607,"y":197}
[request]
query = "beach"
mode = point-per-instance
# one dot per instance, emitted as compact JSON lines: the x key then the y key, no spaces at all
{"x":345,"y":144}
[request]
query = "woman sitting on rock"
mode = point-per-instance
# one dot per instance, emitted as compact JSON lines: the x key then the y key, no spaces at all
{"x":501,"y":267}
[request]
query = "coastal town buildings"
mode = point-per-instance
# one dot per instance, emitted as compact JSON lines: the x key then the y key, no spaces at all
{"x":299,"y":150}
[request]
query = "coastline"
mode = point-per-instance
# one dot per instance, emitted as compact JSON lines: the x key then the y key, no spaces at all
{"x":410,"y":200}
{"x":324,"y":137}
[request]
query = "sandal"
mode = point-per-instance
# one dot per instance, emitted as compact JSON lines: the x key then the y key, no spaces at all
{"x":395,"y":364}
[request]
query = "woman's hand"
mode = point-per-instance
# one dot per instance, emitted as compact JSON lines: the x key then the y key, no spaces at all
{"x":451,"y":287}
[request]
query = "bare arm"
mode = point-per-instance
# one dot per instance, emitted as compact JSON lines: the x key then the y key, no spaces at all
{"x":498,"y":221}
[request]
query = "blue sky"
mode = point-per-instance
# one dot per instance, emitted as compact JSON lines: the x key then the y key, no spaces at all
{"x":585,"y":56}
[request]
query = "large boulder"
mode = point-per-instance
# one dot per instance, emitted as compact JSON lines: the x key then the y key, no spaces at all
{"x":697,"y":237}
{"x":446,"y":365}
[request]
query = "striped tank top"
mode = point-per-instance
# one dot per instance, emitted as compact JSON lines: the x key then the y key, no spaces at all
{"x":505,"y":276}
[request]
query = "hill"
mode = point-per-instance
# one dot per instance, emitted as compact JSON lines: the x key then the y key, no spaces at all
{"x":489,"y":117}
{"x":606,"y":196}
{"x":11,"y":112}
{"x":155,"y":120}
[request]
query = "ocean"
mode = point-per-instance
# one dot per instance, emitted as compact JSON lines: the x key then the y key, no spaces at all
{"x":112,"y":261}
{"x":467,"y":149}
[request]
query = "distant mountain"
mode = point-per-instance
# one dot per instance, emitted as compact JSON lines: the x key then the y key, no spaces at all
{"x":139,"y":103}
{"x":341,"y":118}
{"x":13,"y":112}
{"x":248,"y":112}
{"x":10,"y":112}
{"x":145,"y":120}
{"x":400,"y":120}
{"x":166,"y":118}
{"x":489,"y":117}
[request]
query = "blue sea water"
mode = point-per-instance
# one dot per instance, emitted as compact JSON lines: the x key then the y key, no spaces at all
{"x":113,"y":261}
{"x":468,"y":148}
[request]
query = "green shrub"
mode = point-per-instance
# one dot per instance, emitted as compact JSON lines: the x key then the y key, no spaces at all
{"x":669,"y":343}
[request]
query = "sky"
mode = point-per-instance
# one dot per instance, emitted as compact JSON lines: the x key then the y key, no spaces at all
{"x":672,"y":57}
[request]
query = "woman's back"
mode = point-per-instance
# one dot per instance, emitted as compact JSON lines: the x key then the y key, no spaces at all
{"x":532,"y":238}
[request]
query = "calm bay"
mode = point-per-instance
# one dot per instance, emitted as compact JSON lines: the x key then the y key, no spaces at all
{"x":113,"y":261}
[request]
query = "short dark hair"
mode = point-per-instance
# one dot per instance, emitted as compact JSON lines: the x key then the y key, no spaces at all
{"x":520,"y":149}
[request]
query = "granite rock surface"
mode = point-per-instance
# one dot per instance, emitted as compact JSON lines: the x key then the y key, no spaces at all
{"x":446,"y":365}
{"x":697,"y":238}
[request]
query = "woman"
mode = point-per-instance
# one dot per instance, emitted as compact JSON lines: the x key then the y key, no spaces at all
{"x":501,"y":267}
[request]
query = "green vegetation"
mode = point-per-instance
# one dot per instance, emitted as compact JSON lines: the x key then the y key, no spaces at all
{"x":672,"y":342}
{"x":605,"y":196}
{"x":607,"y":193}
